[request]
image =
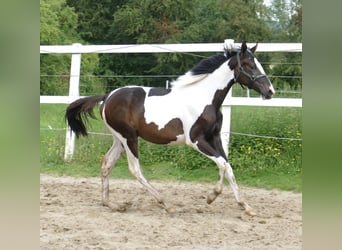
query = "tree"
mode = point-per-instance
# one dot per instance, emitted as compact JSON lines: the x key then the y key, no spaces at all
{"x":58,"y":24}
{"x":146,"y":21}
{"x":95,"y":19}
{"x":287,"y":26}
{"x":180,"y":21}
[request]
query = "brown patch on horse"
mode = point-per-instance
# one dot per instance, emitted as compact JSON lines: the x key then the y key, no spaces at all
{"x":124,"y":112}
{"x":168,"y":134}
{"x":207,"y":128}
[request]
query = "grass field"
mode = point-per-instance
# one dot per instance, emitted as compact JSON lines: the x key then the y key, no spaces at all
{"x":258,"y":162}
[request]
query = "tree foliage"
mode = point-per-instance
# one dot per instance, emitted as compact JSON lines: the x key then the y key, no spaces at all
{"x":287,"y":23}
{"x":58,"y":24}
{"x":169,"y":21}
{"x":166,"y":21}
{"x":95,"y":19}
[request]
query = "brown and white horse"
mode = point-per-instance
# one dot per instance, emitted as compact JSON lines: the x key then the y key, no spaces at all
{"x":187,"y":113}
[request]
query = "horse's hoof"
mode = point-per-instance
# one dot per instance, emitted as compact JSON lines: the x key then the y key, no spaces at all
{"x":170,"y":210}
{"x":123,"y":207}
{"x":211,"y":198}
{"x":118,"y":207}
{"x":248,"y":209}
{"x":250,"y":212}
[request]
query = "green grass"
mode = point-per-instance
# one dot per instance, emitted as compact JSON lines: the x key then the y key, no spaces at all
{"x":258,"y":162}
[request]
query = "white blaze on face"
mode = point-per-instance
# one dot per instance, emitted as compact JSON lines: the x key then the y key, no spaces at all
{"x":272,"y":89}
{"x":258,"y":64}
{"x":261,"y":69}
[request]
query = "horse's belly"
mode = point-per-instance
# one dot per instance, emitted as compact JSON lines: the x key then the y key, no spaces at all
{"x":172,"y":132}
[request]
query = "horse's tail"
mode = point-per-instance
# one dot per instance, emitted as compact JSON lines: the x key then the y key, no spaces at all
{"x":77,"y":113}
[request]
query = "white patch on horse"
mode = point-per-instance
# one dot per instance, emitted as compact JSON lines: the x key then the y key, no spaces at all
{"x":261,"y":69}
{"x":180,"y":140}
{"x":187,"y":79}
{"x":161,"y":109}
{"x":272,"y":89}
{"x":182,"y":103}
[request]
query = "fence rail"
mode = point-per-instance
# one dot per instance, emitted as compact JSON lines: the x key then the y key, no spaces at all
{"x":161,"y":48}
{"x":78,"y":49}
{"x":232,"y":101}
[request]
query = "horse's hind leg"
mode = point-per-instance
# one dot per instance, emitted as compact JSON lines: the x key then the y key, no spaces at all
{"x":135,"y":170}
{"x":107,"y":165}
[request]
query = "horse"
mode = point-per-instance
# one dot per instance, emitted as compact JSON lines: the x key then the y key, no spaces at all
{"x":188,"y":113}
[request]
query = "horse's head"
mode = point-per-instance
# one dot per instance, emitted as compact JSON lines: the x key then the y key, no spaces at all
{"x":249,"y":72}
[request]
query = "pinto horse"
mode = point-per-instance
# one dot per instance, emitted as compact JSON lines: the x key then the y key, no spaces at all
{"x":187,"y":113}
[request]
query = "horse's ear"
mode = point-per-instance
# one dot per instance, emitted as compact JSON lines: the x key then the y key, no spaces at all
{"x":243,"y":47}
{"x":254,"y":48}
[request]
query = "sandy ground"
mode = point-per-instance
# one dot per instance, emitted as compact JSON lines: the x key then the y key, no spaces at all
{"x":72,"y":217}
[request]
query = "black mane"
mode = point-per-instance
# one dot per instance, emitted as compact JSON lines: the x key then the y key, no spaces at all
{"x":209,"y":65}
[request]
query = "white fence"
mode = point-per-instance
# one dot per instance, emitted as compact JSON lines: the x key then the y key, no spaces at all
{"x":78,"y":49}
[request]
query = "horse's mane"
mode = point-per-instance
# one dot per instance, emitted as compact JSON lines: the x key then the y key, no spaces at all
{"x":209,"y":65}
{"x":201,"y":70}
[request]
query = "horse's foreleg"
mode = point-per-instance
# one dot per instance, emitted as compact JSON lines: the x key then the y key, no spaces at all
{"x":219,"y":185}
{"x":107,"y":165}
{"x":231,"y":179}
{"x":225,"y":170}
{"x":213,"y":151}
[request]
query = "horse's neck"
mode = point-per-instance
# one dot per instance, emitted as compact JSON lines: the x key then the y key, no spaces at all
{"x":214,"y":87}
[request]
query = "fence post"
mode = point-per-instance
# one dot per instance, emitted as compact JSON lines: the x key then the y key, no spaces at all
{"x":74,"y":94}
{"x":225,"y":130}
